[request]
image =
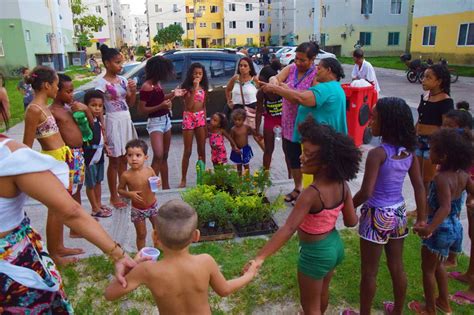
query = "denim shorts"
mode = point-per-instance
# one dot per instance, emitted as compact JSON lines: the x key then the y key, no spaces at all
{"x":423,"y":147}
{"x":94,"y":174}
{"x":446,"y":238}
{"x":159,"y":124}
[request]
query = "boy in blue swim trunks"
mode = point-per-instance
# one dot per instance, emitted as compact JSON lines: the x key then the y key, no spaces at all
{"x":239,"y":133}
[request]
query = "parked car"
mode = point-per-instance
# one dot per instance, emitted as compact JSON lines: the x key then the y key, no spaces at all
{"x":282,"y":50}
{"x":288,"y":57}
{"x":220,"y":64}
{"x":128,"y":67}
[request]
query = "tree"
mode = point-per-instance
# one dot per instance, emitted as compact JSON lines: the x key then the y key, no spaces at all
{"x":169,"y":34}
{"x":84,"y":25}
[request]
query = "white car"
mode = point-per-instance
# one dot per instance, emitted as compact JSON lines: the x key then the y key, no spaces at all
{"x":288,"y":56}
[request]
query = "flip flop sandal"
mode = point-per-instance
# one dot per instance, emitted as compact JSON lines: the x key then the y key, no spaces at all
{"x":291,"y":196}
{"x":348,"y":311}
{"x":416,"y":306}
{"x":388,"y":307}
{"x":101,"y":214}
{"x":456,"y":275}
{"x":461,"y":298}
{"x":106,"y":209}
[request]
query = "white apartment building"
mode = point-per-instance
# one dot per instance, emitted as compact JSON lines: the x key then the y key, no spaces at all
{"x":283,"y":22}
{"x":140,"y":30}
{"x":242,"y":22}
{"x":127,"y":25}
{"x":162,"y":13}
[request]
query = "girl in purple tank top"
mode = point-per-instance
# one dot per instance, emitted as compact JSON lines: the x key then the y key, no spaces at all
{"x":383,"y":223}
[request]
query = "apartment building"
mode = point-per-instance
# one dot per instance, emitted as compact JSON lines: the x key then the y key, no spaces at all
{"x":380,"y":27}
{"x":242,"y":26}
{"x":204,"y":23}
{"x":441,"y":30}
{"x":35,"y":33}
{"x":162,"y":13}
{"x":127,"y":25}
{"x":140,"y":30}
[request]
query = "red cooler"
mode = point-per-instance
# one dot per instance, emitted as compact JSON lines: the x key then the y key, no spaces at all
{"x":359,"y":104}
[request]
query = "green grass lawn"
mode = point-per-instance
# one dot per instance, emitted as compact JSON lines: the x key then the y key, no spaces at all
{"x":393,"y":62}
{"x":276,"y":283}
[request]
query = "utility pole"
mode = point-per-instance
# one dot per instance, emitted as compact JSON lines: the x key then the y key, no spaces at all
{"x":194,"y":22}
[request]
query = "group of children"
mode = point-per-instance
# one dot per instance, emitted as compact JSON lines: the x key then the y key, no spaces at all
{"x":382,"y":224}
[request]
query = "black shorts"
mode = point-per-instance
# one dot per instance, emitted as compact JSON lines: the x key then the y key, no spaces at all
{"x":292,"y":152}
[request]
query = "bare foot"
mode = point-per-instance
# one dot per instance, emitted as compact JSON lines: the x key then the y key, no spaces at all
{"x":69,"y":252}
{"x":443,"y":306}
{"x":64,"y":261}
{"x":182,"y":184}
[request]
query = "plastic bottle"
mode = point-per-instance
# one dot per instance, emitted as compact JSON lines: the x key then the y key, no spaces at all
{"x":83,"y":123}
{"x":277,"y":132}
{"x":200,"y":169}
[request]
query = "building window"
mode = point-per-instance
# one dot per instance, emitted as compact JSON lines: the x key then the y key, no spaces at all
{"x":190,"y":26}
{"x":262,"y":13}
{"x":262,"y":27}
{"x":159,"y":26}
{"x":2,"y":51}
{"x":232,"y":8}
{"x":158,"y":9}
{"x":365,"y":38}
{"x":214,"y":9}
{"x":232,"y":24}
{"x":466,"y":34}
{"x":396,"y":7}
{"x":248,"y":7}
{"x":249,"y":24}
{"x":249,"y":41}
{"x":202,"y":8}
{"x":97,"y":8}
{"x":175,"y":8}
{"x":429,"y":35}
{"x":366,"y":6}
{"x":262,"y":39}
{"x":100,"y":29}
{"x":177,"y":23}
{"x":323,"y":11}
{"x":233,"y":42}
{"x":27,"y":35}
{"x":323,"y":39}
{"x":202,"y":24}
{"x":393,"y":38}
{"x":216,"y":26}
{"x":189,"y":9}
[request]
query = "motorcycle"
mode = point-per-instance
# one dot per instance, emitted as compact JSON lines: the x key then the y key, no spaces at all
{"x":416,"y":68}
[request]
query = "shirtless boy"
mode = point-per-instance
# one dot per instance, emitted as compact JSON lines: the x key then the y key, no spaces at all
{"x":134,"y":185}
{"x":180,"y":281}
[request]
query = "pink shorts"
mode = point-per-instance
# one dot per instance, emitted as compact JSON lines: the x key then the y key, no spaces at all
{"x":270,"y":122}
{"x":195,"y":120}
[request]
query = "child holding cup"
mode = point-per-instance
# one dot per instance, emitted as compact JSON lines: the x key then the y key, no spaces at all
{"x":139,"y":183}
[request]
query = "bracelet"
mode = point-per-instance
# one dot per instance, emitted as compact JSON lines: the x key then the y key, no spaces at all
{"x":109,"y":253}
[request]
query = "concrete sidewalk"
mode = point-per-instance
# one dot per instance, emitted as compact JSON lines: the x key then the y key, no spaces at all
{"x":121,"y":229}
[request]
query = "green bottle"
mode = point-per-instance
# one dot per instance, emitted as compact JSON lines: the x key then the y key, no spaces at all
{"x":83,"y":123}
{"x":200,"y":168}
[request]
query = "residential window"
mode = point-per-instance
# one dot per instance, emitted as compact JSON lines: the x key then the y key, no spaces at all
{"x":202,"y":8}
{"x":202,"y":24}
{"x":100,"y":29}
{"x":190,"y":26}
{"x":396,"y":7}
{"x":323,"y":11}
{"x":262,"y":12}
{"x":466,"y":34}
{"x":262,"y":27}
{"x":232,"y":8}
{"x":177,"y":23}
{"x":97,"y":8}
{"x":393,"y":38}
{"x":366,"y":6}
{"x":429,"y":35}
{"x":27,"y":35}
{"x":262,"y":39}
{"x":232,"y":24}
{"x":365,"y":38}
{"x":249,"y":41}
{"x":189,"y":9}
{"x":249,"y":24}
{"x":2,"y":51}
{"x":175,"y":8}
{"x":159,"y":26}
{"x":232,"y":42}
{"x":216,"y":26}
{"x":248,"y":7}
{"x":323,"y":39}
{"x":214,"y":9}
{"x":158,"y":9}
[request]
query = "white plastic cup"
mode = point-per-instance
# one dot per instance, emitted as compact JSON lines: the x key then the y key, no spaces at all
{"x":277,"y":132}
{"x":151,"y":252}
{"x":155,"y":183}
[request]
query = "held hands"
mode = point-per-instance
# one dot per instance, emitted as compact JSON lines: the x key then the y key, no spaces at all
{"x":122,"y":267}
{"x":136,"y":196}
{"x":253,"y":266}
{"x":422,"y":229}
{"x":132,"y":85}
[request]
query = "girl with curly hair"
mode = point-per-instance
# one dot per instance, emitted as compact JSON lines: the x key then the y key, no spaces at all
{"x":383,"y":221}
{"x":333,"y":159}
{"x":452,"y":150}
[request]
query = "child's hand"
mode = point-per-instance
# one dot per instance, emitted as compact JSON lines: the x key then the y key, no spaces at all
{"x":78,"y":107}
{"x":167,"y":104}
{"x":107,"y":150}
{"x":139,"y":258}
{"x":236,"y":150}
{"x":132,"y":85}
{"x":136,"y":196}
{"x":252,"y":268}
{"x":423,"y":230}
{"x":196,"y":82}
{"x":180,"y":92}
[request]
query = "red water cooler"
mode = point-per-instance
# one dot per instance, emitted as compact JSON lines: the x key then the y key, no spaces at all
{"x":359,"y":104}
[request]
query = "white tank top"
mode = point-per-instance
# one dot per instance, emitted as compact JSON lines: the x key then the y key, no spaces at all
{"x":23,"y":161}
{"x":250,"y":92}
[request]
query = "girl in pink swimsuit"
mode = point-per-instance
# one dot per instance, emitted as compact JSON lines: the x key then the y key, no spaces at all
{"x":194,"y":116}
{"x":217,"y":133}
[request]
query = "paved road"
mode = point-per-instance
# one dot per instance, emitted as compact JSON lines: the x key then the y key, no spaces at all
{"x":393,"y":83}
